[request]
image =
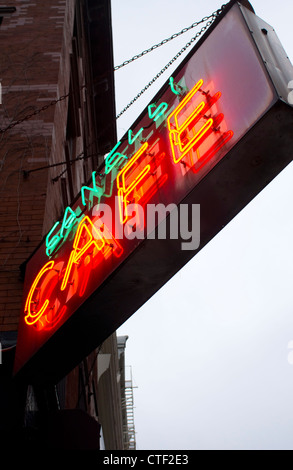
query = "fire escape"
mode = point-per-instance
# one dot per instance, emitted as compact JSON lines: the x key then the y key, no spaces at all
{"x":128,"y":414}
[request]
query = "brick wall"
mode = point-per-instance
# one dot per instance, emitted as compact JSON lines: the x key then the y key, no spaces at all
{"x":34,"y":70}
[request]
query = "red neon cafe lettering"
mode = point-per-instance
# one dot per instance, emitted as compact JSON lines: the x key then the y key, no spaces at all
{"x":33,"y":317}
{"x":125,"y":188}
{"x":176,"y":134}
{"x":86,"y":229}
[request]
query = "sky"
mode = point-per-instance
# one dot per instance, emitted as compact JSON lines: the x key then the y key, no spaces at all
{"x":211,"y":351}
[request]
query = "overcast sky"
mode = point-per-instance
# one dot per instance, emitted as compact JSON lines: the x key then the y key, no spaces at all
{"x":209,"y":352}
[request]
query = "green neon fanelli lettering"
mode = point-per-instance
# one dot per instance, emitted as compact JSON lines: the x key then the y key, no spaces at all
{"x":173,"y":87}
{"x":94,"y":190}
{"x":51,"y":244}
{"x":158,"y":111}
{"x":113,"y":159}
{"x":67,"y":223}
{"x":130,"y":134}
{"x":69,"y":219}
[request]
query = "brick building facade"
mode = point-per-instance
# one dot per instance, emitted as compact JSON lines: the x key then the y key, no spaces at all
{"x":57,"y":121}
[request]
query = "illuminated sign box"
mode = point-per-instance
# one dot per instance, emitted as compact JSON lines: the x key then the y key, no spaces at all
{"x":215,"y":135}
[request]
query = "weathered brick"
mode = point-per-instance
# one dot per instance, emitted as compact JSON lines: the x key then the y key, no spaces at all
{"x":37,"y":51}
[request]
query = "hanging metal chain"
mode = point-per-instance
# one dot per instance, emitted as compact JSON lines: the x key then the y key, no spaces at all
{"x":213,"y":16}
{"x":34,"y":113}
{"x":155,"y":46}
{"x":194,"y":38}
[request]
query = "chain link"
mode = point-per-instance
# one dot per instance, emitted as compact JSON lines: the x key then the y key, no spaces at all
{"x":34,"y":113}
{"x":194,"y":38}
{"x":213,"y":16}
{"x":155,"y":46}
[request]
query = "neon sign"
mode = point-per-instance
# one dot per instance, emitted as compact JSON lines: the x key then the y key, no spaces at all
{"x":34,"y":315}
{"x":129,"y":179}
{"x":90,"y":239}
{"x":188,"y":133}
{"x":185,"y":136}
{"x":192,"y":125}
{"x":69,"y":220}
{"x":139,"y":178}
{"x":175,"y":148}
